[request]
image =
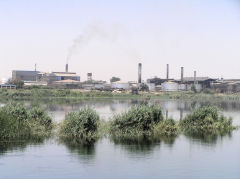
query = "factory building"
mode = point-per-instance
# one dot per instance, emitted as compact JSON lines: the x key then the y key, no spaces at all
{"x":226,"y":86}
{"x":151,"y":86}
{"x":186,"y":84}
{"x":94,"y":85}
{"x":7,"y":86}
{"x":157,"y":81}
{"x":203,"y":82}
{"x":120,"y":85}
{"x":26,"y":76}
{"x":73,"y":84}
{"x":3,"y":84}
{"x":170,"y":86}
{"x":59,"y":76}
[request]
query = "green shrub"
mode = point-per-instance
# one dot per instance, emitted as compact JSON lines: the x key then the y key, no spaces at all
{"x":206,"y":119}
{"x":38,"y":115}
{"x":139,"y":119}
{"x":81,"y":124}
{"x":18,"y":122}
{"x":39,"y":120}
{"x":166,"y":127}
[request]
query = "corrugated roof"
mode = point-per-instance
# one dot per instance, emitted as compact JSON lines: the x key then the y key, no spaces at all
{"x":64,"y":74}
{"x":197,"y":78}
{"x":120,"y":82}
{"x":67,"y":81}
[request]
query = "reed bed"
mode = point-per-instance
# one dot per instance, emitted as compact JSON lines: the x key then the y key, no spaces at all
{"x":206,"y":120}
{"x":148,"y":121}
{"x":139,"y":119}
{"x":85,"y":126}
{"x":16,"y":121}
{"x":168,"y":127}
{"x":80,"y":125}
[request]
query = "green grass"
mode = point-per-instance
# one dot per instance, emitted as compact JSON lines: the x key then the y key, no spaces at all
{"x":85,"y":126}
{"x":168,"y":127}
{"x":148,"y":121}
{"x":137,"y":120}
{"x":55,"y":93}
{"x":18,"y":122}
{"x":80,"y":125}
{"x":206,"y":120}
{"x":47,"y":93}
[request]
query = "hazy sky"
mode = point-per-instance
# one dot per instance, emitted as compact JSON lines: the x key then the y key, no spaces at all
{"x":109,"y":38}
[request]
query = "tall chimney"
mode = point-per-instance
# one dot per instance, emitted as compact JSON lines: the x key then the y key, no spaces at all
{"x":182,"y":74}
{"x":89,"y":76}
{"x":195,"y":77}
{"x":35,"y":72}
{"x":66,"y":67}
{"x":139,"y":73}
{"x":167,"y":71}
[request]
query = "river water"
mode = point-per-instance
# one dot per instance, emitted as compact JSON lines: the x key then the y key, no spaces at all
{"x":180,"y":157}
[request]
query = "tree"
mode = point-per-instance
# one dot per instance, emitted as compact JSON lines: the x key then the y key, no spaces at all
{"x":114,"y":79}
{"x":18,"y":83}
{"x":143,"y":87}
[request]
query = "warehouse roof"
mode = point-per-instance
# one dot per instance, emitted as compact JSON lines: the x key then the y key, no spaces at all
{"x":188,"y":79}
{"x":67,"y":81}
{"x":64,"y":74}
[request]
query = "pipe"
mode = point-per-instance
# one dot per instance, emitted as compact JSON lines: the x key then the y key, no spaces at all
{"x":139,"y":73}
{"x":66,"y":68}
{"x":182,"y":71}
{"x":167,"y":71}
{"x":195,"y":77}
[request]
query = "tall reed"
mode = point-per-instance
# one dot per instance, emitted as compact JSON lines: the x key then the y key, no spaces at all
{"x":16,"y":121}
{"x":80,"y":125}
{"x":139,"y":119}
{"x":206,"y":120}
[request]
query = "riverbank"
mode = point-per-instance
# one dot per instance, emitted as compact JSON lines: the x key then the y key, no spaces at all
{"x":29,"y":94}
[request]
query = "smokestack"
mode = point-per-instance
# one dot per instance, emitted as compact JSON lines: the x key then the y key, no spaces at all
{"x":167,"y":71}
{"x":35,"y":72}
{"x":89,"y":76}
{"x":66,"y":67}
{"x":182,"y":74}
{"x":195,"y":77}
{"x":139,"y":73}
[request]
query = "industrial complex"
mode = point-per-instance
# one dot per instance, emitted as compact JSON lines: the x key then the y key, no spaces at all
{"x":71,"y":80}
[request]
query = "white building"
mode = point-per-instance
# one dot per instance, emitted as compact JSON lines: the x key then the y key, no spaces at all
{"x":151,"y":86}
{"x":169,"y":86}
{"x":120,"y":85}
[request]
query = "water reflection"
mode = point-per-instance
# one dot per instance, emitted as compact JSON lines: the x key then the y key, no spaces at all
{"x":208,"y":138}
{"x":18,"y":144}
{"x":84,"y":148}
{"x":143,"y":144}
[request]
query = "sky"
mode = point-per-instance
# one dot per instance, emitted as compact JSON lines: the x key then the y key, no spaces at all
{"x":109,"y":38}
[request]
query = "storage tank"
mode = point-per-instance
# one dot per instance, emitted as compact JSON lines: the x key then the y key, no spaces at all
{"x":151,"y":86}
{"x":120,"y":85}
{"x":169,"y":86}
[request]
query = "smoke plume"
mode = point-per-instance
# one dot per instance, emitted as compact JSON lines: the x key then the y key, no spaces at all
{"x":112,"y":35}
